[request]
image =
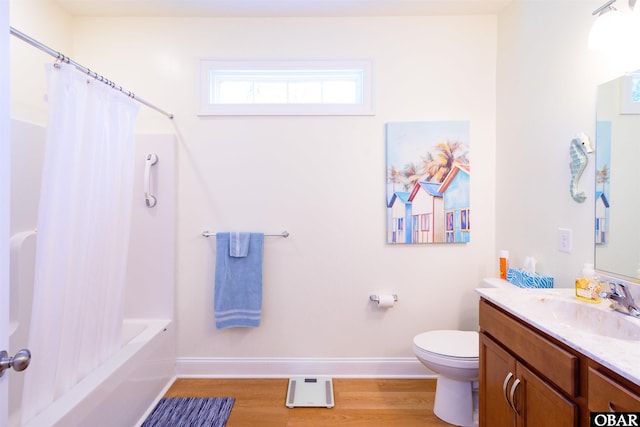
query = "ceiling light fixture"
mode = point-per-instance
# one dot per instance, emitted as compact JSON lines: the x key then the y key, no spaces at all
{"x":606,"y":28}
{"x":611,"y":27}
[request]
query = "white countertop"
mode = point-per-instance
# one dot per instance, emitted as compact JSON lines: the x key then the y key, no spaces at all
{"x":615,"y":344}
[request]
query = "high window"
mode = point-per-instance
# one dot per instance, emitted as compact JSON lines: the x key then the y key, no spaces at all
{"x":286,"y":88}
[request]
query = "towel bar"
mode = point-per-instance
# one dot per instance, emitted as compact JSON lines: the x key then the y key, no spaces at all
{"x":285,"y":233}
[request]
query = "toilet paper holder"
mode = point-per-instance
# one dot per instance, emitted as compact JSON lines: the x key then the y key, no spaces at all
{"x":376,"y":298}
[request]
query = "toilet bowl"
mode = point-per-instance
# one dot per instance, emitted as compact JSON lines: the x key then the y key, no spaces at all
{"x":453,"y":355}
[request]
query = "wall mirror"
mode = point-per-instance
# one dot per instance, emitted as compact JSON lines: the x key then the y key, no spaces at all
{"x":617,"y":177}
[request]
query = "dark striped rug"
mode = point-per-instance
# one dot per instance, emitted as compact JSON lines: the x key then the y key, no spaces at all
{"x":190,"y":412}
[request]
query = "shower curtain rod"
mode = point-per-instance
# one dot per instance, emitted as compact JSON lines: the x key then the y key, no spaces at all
{"x":60,"y":57}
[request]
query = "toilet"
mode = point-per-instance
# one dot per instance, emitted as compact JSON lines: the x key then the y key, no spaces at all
{"x":454,"y":357}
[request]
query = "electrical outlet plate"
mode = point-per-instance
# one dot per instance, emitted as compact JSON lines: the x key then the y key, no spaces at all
{"x":565,"y":242}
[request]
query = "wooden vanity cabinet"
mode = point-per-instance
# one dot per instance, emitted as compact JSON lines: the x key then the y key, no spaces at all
{"x":525,"y":379}
{"x":528,"y":378}
{"x":513,"y":395}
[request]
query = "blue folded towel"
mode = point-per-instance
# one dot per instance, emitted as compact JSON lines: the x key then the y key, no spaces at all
{"x":239,"y":244}
{"x":238,"y":283}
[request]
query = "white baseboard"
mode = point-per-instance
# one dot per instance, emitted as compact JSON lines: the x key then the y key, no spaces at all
{"x":223,"y":367}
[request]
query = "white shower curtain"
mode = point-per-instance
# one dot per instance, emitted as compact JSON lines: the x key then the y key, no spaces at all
{"x":83,"y":234}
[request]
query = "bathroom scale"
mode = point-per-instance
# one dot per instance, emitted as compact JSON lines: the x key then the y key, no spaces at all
{"x":310,"y":392}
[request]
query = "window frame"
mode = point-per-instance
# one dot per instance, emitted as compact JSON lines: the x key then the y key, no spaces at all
{"x":207,"y":108}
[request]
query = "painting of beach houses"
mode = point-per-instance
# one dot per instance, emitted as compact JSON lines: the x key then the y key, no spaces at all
{"x":428,"y":174}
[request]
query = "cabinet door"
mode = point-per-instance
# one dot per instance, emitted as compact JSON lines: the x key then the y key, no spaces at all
{"x":606,"y":395}
{"x":495,"y":366}
{"x":538,"y":404}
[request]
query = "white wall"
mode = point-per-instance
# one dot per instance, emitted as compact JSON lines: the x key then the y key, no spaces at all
{"x":27,"y":153}
{"x":45,"y":22}
{"x":322,"y":178}
{"x":151,"y":268}
{"x":547,"y":82}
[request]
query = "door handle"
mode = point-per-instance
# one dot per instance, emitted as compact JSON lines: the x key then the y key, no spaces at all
{"x":504,"y":389}
{"x":149,"y":199}
{"x":19,"y":362}
{"x":512,"y":396}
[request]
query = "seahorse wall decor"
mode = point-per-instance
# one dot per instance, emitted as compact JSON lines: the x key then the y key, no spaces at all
{"x":580,"y":146}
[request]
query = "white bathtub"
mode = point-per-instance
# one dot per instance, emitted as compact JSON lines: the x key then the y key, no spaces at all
{"x":117,"y":394}
{"x":123,"y":388}
{"x":120,"y":392}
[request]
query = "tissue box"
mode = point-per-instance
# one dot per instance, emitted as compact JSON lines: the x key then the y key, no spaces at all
{"x":527,"y":280}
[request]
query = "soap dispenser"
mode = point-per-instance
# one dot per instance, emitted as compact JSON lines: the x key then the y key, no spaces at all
{"x":588,"y":286}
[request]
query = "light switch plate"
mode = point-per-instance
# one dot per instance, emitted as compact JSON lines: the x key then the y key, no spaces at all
{"x":565,"y":243}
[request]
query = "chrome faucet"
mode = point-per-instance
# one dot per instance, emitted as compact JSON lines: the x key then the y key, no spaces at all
{"x":621,"y":299}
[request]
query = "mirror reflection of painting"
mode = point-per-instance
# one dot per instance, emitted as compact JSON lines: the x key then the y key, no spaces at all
{"x":603,"y":170}
{"x":428,"y":174}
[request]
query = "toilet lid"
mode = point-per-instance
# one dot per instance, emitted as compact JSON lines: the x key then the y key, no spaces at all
{"x":462,"y":344}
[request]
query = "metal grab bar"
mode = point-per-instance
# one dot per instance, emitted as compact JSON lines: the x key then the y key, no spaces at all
{"x":149,"y":198}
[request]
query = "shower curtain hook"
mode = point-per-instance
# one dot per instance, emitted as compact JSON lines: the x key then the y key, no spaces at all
{"x":93,"y":74}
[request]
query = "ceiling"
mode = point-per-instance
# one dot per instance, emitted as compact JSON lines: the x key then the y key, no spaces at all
{"x":267,"y":8}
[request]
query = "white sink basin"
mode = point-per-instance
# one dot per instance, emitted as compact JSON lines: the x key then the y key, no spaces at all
{"x":598,"y":319}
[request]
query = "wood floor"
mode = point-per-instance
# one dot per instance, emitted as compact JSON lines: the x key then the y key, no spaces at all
{"x":358,"y":402}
